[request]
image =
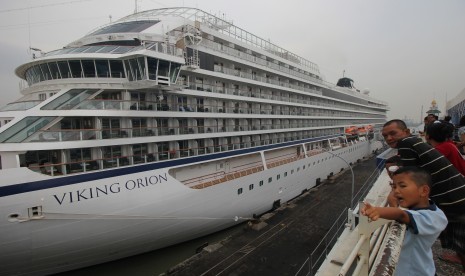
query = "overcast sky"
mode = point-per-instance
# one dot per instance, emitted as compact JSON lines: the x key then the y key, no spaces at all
{"x":405,"y":52}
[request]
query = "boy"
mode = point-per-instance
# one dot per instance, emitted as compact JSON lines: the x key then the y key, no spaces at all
{"x":424,"y":220}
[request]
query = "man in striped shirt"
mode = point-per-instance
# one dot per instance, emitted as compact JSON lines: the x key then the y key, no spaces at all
{"x":448,"y":189}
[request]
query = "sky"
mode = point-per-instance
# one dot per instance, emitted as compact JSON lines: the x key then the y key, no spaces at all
{"x":406,"y":53}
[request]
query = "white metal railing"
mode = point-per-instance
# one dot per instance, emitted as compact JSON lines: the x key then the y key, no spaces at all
{"x":363,"y":250}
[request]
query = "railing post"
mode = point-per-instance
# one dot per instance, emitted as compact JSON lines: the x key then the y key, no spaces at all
{"x":351,"y":217}
{"x":365,"y":228}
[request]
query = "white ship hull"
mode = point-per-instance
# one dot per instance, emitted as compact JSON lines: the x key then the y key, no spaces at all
{"x":113,"y":217}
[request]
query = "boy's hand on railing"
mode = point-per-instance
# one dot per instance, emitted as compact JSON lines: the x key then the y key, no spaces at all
{"x":370,"y":211}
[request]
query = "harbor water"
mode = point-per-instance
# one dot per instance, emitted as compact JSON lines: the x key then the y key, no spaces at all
{"x":156,"y":262}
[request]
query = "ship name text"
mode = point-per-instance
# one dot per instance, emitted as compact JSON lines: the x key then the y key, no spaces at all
{"x":108,"y":189}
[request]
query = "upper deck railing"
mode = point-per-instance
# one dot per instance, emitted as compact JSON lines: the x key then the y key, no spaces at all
{"x":225,"y":27}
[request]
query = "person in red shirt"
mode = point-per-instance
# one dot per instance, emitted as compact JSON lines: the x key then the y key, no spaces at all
{"x":439,"y":136}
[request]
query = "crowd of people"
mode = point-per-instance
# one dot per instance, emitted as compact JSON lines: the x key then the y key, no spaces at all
{"x":428,"y":184}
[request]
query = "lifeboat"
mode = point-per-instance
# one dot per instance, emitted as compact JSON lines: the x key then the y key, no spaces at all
{"x":362,"y":130}
{"x":352,"y":130}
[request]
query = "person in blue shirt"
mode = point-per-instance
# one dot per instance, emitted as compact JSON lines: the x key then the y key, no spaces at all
{"x":424,"y":220}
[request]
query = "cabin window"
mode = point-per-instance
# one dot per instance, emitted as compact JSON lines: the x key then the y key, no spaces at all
{"x":136,"y":73}
{"x":285,"y":174}
{"x":164,"y":68}
{"x":163,"y":150}
{"x":76,"y":69}
{"x":128,"y":70}
{"x":250,"y":187}
{"x":103,"y":68}
{"x":77,"y":155}
{"x":111,"y":128}
{"x":45,"y":71}
{"x":278,"y":177}
{"x":152,"y":64}
{"x":270,"y":179}
{"x":117,"y":69}
{"x":111,"y":155}
{"x":88,"y":67}
{"x":64,"y":69}
{"x":139,"y":152}
{"x":260,"y":183}
{"x":55,"y":73}
{"x":175,"y":69}
{"x":239,"y":191}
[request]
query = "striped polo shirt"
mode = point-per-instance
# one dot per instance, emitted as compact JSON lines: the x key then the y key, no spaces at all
{"x":448,"y":190}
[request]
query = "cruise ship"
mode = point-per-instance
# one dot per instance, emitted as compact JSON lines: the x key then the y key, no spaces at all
{"x":164,"y":126}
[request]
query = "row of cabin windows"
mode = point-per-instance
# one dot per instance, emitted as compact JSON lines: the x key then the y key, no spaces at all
{"x":270,"y":179}
{"x":211,"y":85}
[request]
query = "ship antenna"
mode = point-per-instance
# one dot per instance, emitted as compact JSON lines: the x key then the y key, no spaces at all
{"x":29,"y":30}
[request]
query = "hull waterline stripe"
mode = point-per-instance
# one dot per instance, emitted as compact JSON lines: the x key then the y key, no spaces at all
{"x":74,"y":179}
